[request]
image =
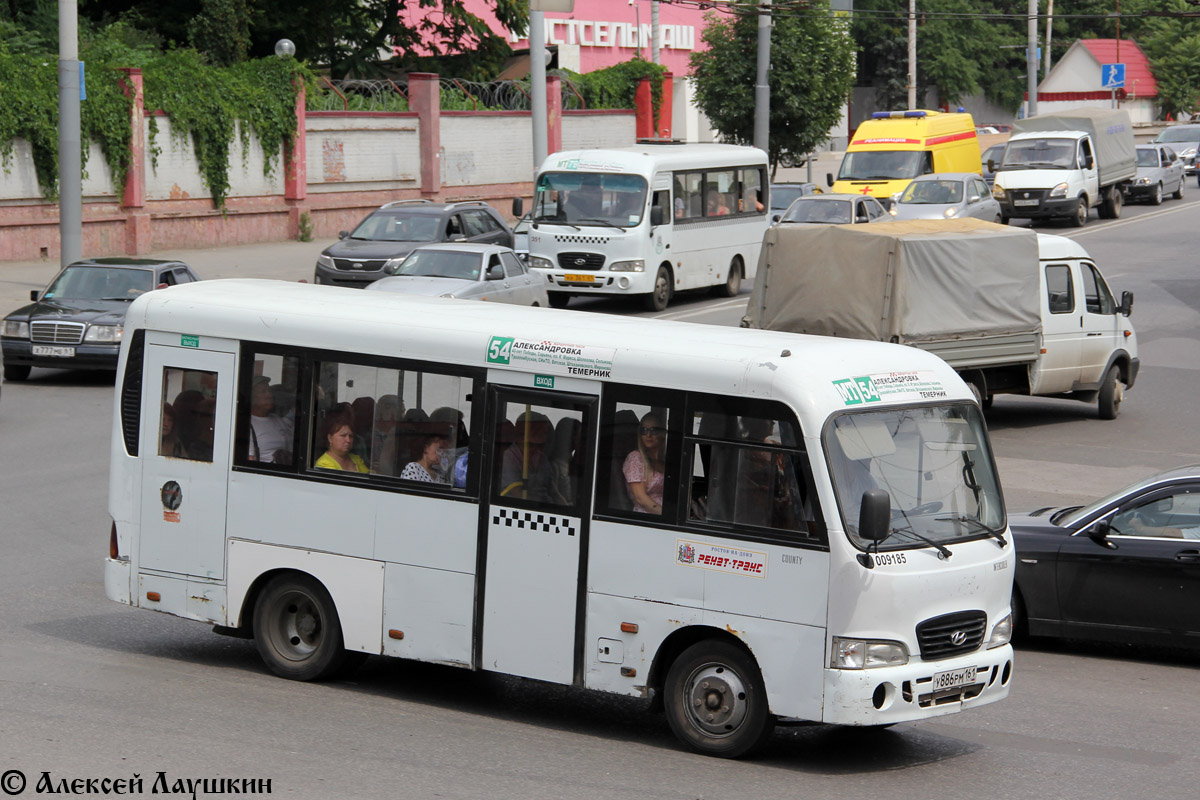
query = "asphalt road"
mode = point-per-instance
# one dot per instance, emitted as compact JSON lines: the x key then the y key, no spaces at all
{"x":89,"y":689}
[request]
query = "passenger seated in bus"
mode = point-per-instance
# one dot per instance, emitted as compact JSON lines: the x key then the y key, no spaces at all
{"x":337,"y":433}
{"x":645,"y":467}
{"x":714,"y":205}
{"x":270,"y":436}
{"x":430,"y":460}
{"x":170,"y":445}
{"x":200,"y":448}
{"x":364,"y":420}
{"x":385,"y":438}
{"x":457,"y":442}
{"x":524,"y":466}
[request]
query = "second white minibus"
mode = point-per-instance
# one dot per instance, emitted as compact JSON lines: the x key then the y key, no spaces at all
{"x":649,"y":220}
{"x":740,"y":525}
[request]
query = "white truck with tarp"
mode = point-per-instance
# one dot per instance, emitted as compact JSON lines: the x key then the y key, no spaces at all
{"x":1012,"y":311}
{"x":1064,"y":164}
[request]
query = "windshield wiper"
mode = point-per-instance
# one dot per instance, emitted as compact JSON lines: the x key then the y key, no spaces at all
{"x":603,"y":222}
{"x":995,"y":534}
{"x":554,"y":221}
{"x":943,"y":551}
{"x":123,"y":297}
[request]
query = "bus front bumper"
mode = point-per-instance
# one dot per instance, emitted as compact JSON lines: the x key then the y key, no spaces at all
{"x":888,"y":695}
{"x":585,"y":283}
{"x":117,"y":576}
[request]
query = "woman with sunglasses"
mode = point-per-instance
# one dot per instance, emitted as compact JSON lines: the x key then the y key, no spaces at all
{"x":644,"y":467}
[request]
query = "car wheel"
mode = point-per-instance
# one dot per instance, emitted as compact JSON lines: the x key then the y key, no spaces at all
{"x":296,"y":629}
{"x":558,"y":299}
{"x":1179,"y":192}
{"x":733,"y":282}
{"x":1079,"y":218}
{"x":16,"y":372}
{"x":715,"y":701}
{"x":1112,"y":392}
{"x":1003,"y":220}
{"x":1156,"y":198}
{"x":658,"y":299}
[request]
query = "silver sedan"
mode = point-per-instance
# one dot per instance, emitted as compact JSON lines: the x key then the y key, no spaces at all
{"x":832,"y":209}
{"x":466,"y":271}
{"x":947,"y":195}
{"x":1159,"y":171}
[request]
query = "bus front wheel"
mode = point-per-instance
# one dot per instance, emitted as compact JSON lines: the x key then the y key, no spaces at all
{"x":658,"y":299}
{"x":558,"y":299}
{"x":296,"y":629}
{"x":715,"y":701}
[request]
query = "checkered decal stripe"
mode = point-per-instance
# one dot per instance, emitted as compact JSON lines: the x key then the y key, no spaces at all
{"x":581,"y":239}
{"x":534,"y":521}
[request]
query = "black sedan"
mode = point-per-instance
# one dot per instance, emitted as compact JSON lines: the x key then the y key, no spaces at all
{"x":78,"y":321}
{"x":1123,"y":569}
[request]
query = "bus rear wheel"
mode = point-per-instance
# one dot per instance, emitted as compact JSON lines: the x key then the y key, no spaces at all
{"x":733,"y":282}
{"x":715,"y":701}
{"x":660,"y":297}
{"x":296,"y":629}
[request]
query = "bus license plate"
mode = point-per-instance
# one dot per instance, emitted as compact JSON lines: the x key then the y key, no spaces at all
{"x":576,"y":278}
{"x":57,"y":352}
{"x":954,"y":678}
{"x":1025,"y":202}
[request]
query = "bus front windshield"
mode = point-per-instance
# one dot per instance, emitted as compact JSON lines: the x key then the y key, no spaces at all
{"x":590,"y":198}
{"x":885,"y":165}
{"x":935,"y":464}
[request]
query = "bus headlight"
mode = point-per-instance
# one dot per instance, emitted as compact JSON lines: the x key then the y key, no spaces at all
{"x":997,"y":191}
{"x":537,"y":262}
{"x":15,"y":329}
{"x":1059,"y":191}
{"x":633,"y":265}
{"x":104,"y":333}
{"x":867,"y":653}
{"x":1001,"y":633}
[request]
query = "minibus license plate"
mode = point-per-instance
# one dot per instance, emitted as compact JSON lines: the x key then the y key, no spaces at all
{"x":1025,"y":202}
{"x":58,"y":352}
{"x":953,"y":678}
{"x":576,"y":278}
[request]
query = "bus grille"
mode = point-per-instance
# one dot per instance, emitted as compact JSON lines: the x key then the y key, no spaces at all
{"x":56,"y":332}
{"x":591,"y":261}
{"x":951,"y":634}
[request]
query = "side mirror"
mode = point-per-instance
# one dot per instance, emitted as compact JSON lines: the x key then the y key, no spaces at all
{"x":656,"y":215}
{"x":991,"y":165}
{"x":829,"y":179}
{"x":861,"y":218}
{"x":33,"y":295}
{"x":1098,"y":533}
{"x":1126,"y":306}
{"x":518,"y":207}
{"x":973,"y":198}
{"x":495,"y":273}
{"x":343,"y":234}
{"x":875,"y":515}
{"x":459,"y":239}
{"x":775,"y":218}
{"x":161,"y":286}
{"x":1088,"y":161}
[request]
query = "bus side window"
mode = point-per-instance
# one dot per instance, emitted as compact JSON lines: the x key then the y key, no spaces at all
{"x":189,"y":399}
{"x":267,"y":409}
{"x":639,"y":445}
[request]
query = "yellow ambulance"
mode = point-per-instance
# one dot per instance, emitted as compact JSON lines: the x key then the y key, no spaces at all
{"x":893,"y":147}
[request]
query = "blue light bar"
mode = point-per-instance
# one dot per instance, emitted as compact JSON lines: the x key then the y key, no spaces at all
{"x":898,"y":114}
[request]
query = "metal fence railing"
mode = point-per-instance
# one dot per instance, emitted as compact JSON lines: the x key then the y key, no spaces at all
{"x":382,"y":94}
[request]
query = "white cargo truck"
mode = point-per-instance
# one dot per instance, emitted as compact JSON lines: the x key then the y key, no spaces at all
{"x":1012,"y":311}
{"x":1064,"y":164}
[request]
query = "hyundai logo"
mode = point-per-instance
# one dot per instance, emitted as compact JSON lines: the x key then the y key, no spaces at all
{"x":958,"y":638}
{"x":579,"y":262}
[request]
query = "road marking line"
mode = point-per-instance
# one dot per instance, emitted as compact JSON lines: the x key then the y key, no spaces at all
{"x":730,"y":303}
{"x":1139,"y":218}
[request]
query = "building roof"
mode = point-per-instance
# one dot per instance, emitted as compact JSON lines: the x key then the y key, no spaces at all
{"x":1139,"y":78}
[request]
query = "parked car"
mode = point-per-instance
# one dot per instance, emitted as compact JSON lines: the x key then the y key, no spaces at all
{"x":466,"y":271}
{"x":392,"y":231}
{"x":1159,"y":171}
{"x":78,"y":321}
{"x":833,"y":209}
{"x":946,"y":195}
{"x":783,"y":194}
{"x":1184,"y":140}
{"x":994,"y":154}
{"x":1123,"y":568}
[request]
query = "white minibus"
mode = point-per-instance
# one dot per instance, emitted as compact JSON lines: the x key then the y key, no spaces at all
{"x":648,"y":220}
{"x":739,"y":525}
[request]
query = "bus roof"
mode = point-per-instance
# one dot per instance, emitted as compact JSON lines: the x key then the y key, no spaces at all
{"x":645,"y":159}
{"x":651,"y":352}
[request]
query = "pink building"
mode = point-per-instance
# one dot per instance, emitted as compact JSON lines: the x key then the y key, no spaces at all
{"x":600,"y":33}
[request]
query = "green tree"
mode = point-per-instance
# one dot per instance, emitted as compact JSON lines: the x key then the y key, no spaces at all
{"x":1172,"y":44}
{"x":812,"y":70}
{"x":222,"y":30}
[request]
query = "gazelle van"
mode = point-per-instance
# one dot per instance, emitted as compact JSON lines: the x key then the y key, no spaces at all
{"x":893,"y":147}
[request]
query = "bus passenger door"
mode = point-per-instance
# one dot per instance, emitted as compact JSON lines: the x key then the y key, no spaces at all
{"x":535,"y":515}
{"x":187,"y":418}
